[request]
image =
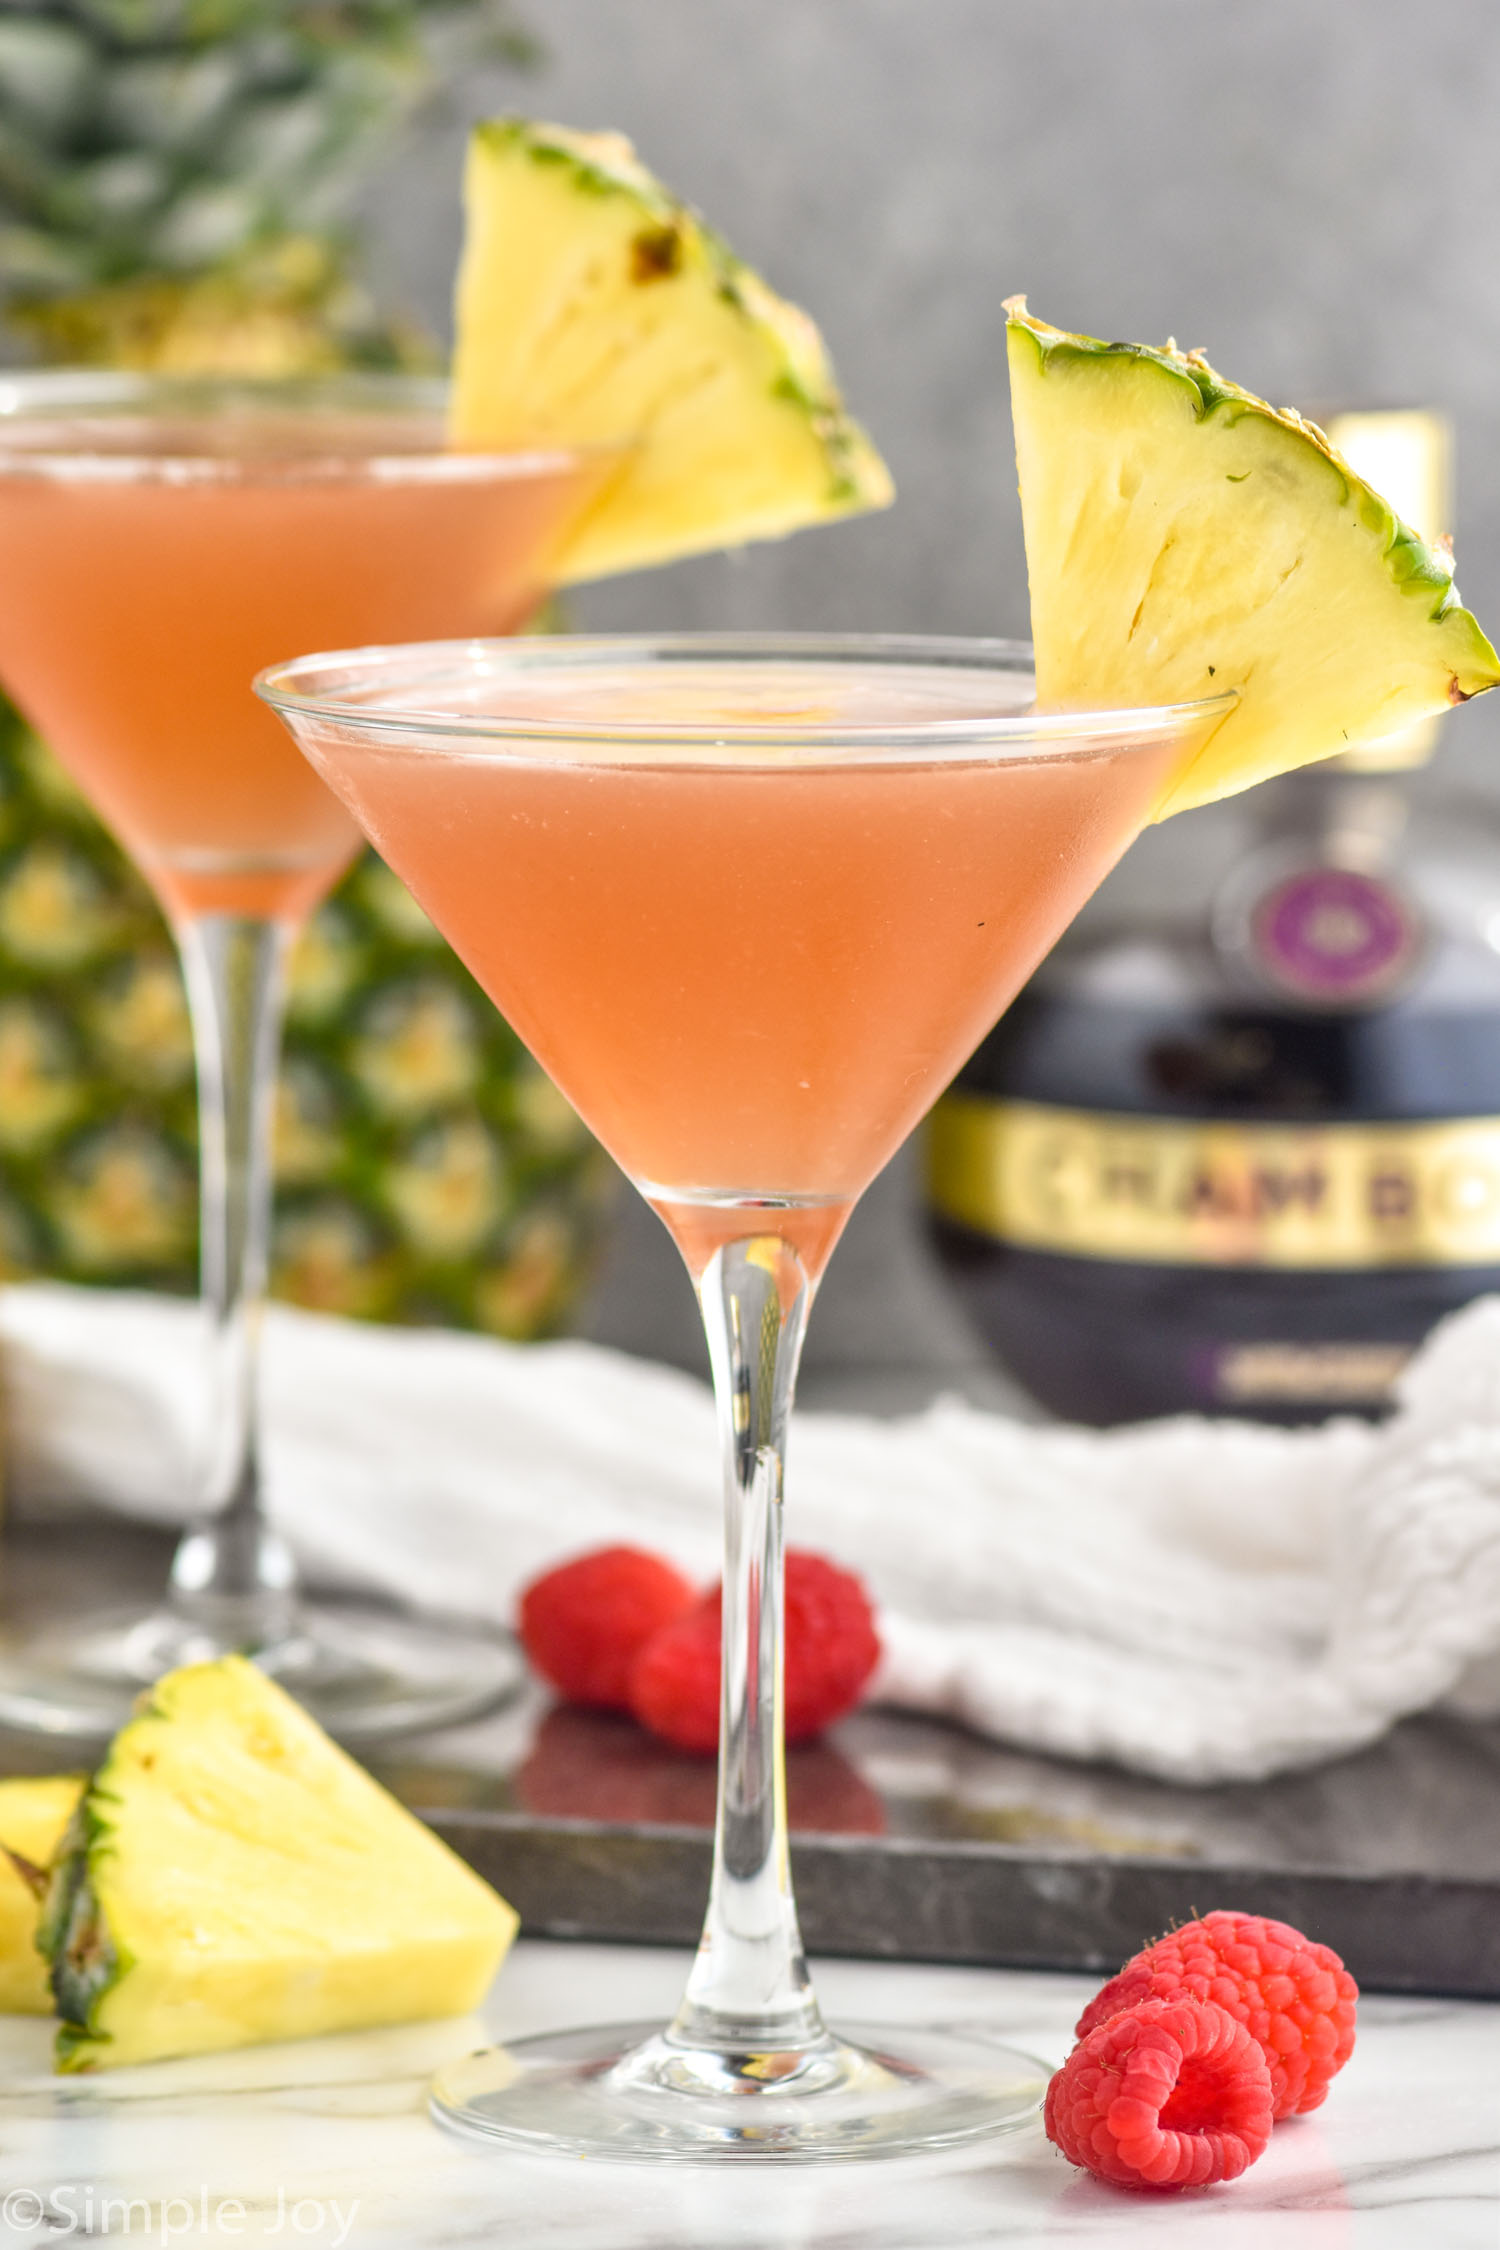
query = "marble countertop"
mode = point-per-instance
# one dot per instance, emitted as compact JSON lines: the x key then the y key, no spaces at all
{"x":328,"y":2143}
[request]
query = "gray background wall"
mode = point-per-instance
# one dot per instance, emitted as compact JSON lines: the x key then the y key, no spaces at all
{"x":1310,"y":189}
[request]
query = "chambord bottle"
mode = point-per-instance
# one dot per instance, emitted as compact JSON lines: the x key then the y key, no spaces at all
{"x":1236,"y":1148}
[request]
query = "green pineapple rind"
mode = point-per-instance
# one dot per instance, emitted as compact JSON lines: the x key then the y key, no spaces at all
{"x":600,"y":163}
{"x":98,"y":1109}
{"x":1421,"y":572}
{"x":518,"y":1258}
{"x":84,"y":1961}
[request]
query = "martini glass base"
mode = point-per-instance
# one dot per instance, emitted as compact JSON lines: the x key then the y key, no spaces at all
{"x":629,"y":2092}
{"x":363,"y":1673}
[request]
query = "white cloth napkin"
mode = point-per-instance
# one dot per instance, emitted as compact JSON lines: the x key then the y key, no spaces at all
{"x":1201,"y":1601}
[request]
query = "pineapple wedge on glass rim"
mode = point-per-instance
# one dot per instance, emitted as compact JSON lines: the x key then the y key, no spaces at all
{"x":231,"y":1876}
{"x":593,"y":307}
{"x":1183,"y":537}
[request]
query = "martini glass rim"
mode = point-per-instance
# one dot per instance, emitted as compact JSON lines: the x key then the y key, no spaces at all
{"x":396,"y":691}
{"x":56,"y":425}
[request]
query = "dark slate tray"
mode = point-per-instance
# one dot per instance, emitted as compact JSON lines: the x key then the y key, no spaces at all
{"x":919,"y":1841}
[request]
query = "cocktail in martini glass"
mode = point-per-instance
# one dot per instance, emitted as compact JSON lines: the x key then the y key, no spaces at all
{"x":160,"y":541}
{"x":750,"y":902}
{"x":625,"y":392}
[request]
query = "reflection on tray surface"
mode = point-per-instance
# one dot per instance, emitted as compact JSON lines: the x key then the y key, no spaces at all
{"x":592,"y":1765}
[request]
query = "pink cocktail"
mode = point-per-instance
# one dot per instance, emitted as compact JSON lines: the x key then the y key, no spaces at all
{"x":160,"y":542}
{"x":751,"y":902}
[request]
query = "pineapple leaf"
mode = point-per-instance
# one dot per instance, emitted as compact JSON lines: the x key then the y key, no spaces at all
{"x":149,"y":137}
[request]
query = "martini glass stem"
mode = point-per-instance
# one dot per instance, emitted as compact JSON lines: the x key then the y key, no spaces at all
{"x":232,"y":1573}
{"x":749,"y":1989}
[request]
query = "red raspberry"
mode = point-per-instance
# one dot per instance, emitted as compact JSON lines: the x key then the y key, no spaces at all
{"x":1167,"y":2094}
{"x":584,"y":1624}
{"x":831,"y":1650}
{"x":674,"y":1682}
{"x":1295,"y":1997}
{"x":832,"y":1646}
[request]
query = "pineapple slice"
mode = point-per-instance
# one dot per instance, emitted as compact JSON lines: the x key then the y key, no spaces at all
{"x":595,"y":308}
{"x":231,"y":1876}
{"x":1183,"y":537}
{"x":33,"y":1816}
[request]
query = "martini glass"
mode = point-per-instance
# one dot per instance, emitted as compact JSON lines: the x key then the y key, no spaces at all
{"x":751,"y":902}
{"x":160,"y":541}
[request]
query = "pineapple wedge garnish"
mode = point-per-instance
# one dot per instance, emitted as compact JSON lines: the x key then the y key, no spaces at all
{"x":594,"y":308}
{"x":33,"y":1817}
{"x":231,"y":1876}
{"x":1183,"y":537}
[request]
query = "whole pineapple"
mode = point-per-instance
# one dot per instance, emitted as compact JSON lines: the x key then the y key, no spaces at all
{"x":174,"y":176}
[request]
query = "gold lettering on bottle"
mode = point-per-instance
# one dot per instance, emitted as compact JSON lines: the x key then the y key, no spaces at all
{"x":1182,"y":1191}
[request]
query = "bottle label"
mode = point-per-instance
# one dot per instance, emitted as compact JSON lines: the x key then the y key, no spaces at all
{"x":1174,"y":1191}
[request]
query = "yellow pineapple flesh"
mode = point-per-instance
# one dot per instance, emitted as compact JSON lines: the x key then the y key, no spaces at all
{"x":1184,"y":538}
{"x":596,"y":308}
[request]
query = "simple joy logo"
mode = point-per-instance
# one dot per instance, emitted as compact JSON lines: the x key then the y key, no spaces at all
{"x":77,"y":2208}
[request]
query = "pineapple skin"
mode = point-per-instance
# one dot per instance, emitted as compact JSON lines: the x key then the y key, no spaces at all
{"x":230,"y":1877}
{"x":285,"y":309}
{"x":595,"y":308}
{"x":34,"y":1816}
{"x":1103,"y":513}
{"x":426,"y":1171}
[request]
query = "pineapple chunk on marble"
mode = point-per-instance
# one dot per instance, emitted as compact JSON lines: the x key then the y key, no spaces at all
{"x":232,"y":1876}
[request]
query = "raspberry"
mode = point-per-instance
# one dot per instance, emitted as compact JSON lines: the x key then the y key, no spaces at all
{"x":831,"y":1643}
{"x":1166,"y":2094}
{"x":583,"y":1624}
{"x":674,"y":1682}
{"x":831,"y":1650}
{"x":1296,"y":1998}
